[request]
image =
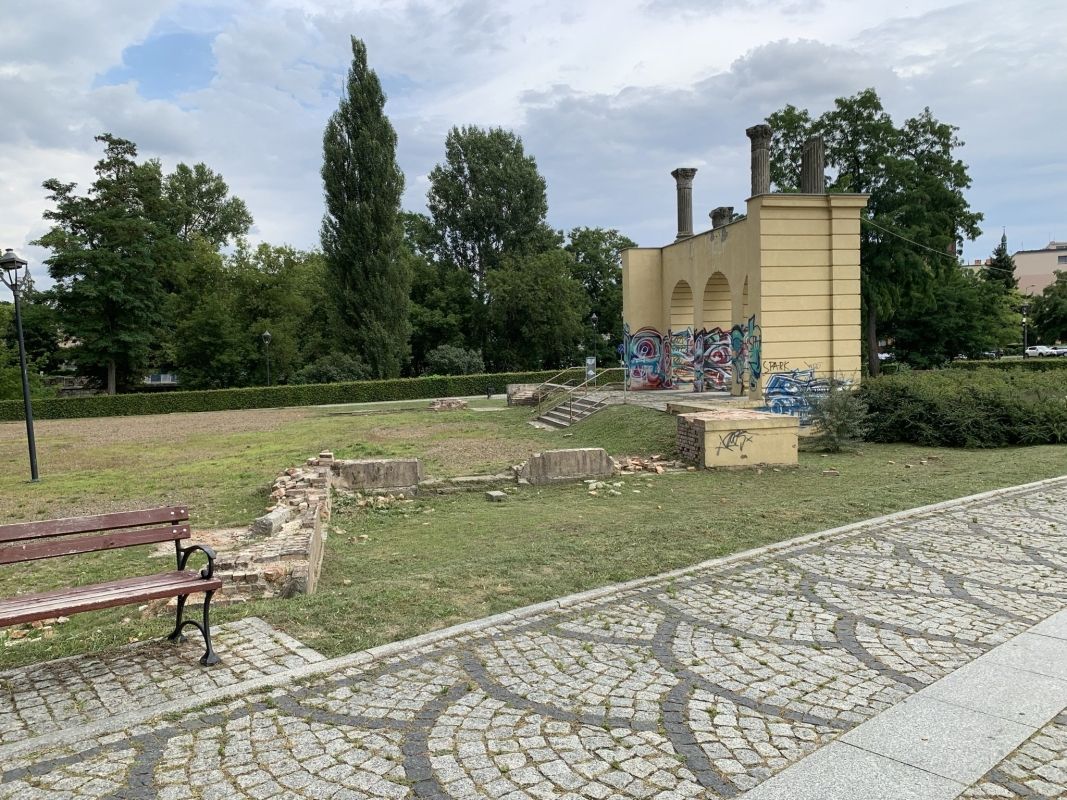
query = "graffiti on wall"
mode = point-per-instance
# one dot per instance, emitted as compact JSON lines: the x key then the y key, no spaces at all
{"x":710,"y":357}
{"x":788,"y":392}
{"x":745,"y":345}
{"x":683,"y":370}
{"x":648,"y":359}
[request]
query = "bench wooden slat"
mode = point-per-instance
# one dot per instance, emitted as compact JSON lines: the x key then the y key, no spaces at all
{"x":42,"y":605}
{"x":101,"y":522}
{"x":50,"y":548}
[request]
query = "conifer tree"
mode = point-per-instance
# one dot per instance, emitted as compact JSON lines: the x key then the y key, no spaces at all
{"x":1001,"y":267}
{"x":369,"y":271}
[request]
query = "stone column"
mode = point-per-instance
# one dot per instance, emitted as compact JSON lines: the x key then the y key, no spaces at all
{"x":813,"y":166}
{"x":683,"y":176}
{"x":721,"y":216}
{"x":761,"y":158}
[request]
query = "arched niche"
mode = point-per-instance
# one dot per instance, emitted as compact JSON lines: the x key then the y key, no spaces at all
{"x":717,"y":307}
{"x":681,"y":307}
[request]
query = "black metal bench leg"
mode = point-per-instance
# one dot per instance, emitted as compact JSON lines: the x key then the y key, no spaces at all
{"x":209,"y":658}
{"x":177,"y":635}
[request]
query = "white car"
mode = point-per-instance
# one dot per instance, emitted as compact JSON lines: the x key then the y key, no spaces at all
{"x":1038,"y":350}
{"x":1059,"y":349}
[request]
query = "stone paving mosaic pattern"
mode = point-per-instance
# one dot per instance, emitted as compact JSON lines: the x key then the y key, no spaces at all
{"x":1035,"y":771}
{"x":699,"y":686}
{"x":61,"y":694}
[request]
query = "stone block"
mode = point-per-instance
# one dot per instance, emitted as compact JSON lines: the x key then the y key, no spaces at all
{"x":271,"y":522}
{"x":378,"y":475}
{"x":495,"y":497}
{"x":737,"y":438}
{"x":564,"y":466}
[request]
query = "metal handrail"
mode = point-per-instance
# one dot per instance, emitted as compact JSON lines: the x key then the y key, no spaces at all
{"x":569,"y":392}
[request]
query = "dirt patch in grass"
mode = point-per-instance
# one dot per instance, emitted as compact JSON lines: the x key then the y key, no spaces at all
{"x":157,"y":428}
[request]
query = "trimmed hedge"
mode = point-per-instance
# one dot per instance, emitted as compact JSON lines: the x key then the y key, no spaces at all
{"x":1037,"y":364}
{"x":958,"y":408}
{"x":124,"y":405}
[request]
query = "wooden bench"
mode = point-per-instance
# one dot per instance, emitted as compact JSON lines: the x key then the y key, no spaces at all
{"x":31,"y":541}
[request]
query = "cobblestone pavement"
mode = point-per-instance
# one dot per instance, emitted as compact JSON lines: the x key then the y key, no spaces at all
{"x":1036,"y":771}
{"x":73,"y":691}
{"x":696,"y":686}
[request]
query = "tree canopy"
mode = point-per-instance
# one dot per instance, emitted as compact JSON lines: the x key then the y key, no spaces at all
{"x":917,"y":215}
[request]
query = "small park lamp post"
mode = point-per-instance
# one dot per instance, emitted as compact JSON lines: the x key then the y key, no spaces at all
{"x":10,"y":264}
{"x":266,"y":348}
{"x":1026,"y":311}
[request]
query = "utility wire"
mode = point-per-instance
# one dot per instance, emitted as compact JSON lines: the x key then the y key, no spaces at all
{"x":932,"y":249}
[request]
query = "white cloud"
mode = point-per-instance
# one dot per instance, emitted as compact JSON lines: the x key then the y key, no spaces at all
{"x":609,"y":95}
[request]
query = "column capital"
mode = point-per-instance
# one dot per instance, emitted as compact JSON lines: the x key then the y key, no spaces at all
{"x":760,"y":136}
{"x":683,"y":176}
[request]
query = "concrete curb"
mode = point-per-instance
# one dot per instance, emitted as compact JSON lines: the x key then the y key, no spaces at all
{"x":95,"y":731}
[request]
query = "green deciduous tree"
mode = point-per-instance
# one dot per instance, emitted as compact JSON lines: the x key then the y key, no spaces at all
{"x":361,"y":232}
{"x":536,"y":312}
{"x":791,"y":127}
{"x":963,"y":315}
{"x":487,"y":203}
{"x":917,"y":215}
{"x":1049,"y":311}
{"x":105,"y":262}
{"x":200,"y":206}
{"x":598,"y":268}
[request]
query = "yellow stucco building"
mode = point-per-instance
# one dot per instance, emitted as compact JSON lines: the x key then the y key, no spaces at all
{"x":765,"y":305}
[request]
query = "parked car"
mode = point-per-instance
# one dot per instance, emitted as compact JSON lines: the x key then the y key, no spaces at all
{"x":1038,"y":350}
{"x":1059,"y":349}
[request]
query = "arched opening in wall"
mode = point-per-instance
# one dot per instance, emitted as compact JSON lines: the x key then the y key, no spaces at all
{"x":681,"y":307}
{"x":717,"y":310}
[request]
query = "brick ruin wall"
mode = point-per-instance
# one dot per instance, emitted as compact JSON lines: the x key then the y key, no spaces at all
{"x":690,"y":440}
{"x":280,"y":554}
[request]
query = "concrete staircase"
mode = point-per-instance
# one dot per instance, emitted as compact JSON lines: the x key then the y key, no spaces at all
{"x":574,"y":410}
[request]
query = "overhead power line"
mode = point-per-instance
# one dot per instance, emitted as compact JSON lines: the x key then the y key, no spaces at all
{"x":934,"y":250}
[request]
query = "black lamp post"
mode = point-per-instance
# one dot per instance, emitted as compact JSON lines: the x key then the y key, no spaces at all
{"x":266,"y":347}
{"x":10,"y":264}
{"x":593,"y":320}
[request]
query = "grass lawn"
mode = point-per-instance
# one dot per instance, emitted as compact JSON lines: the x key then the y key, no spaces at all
{"x":446,"y":559}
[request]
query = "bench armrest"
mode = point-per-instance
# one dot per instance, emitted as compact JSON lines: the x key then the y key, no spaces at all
{"x":185,"y":552}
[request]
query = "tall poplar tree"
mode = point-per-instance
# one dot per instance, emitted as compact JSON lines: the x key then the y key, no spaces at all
{"x":368,"y":270}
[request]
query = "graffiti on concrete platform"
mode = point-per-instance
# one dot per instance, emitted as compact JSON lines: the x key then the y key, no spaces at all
{"x":733,"y":441}
{"x":788,"y":392}
{"x":745,"y":347}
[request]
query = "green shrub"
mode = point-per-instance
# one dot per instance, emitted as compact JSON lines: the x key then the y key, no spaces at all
{"x":968,"y":408}
{"x":1044,"y":364}
{"x":334,"y":368}
{"x":278,"y":396}
{"x":838,"y":417}
{"x":447,"y":359}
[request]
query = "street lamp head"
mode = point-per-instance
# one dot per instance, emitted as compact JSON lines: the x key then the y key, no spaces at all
{"x":11,"y":264}
{"x":266,"y":337}
{"x":593,"y":317}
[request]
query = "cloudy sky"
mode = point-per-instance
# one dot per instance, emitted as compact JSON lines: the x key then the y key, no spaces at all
{"x":608,"y":95}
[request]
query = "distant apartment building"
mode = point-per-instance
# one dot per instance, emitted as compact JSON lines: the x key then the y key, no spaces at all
{"x":1036,"y":269}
